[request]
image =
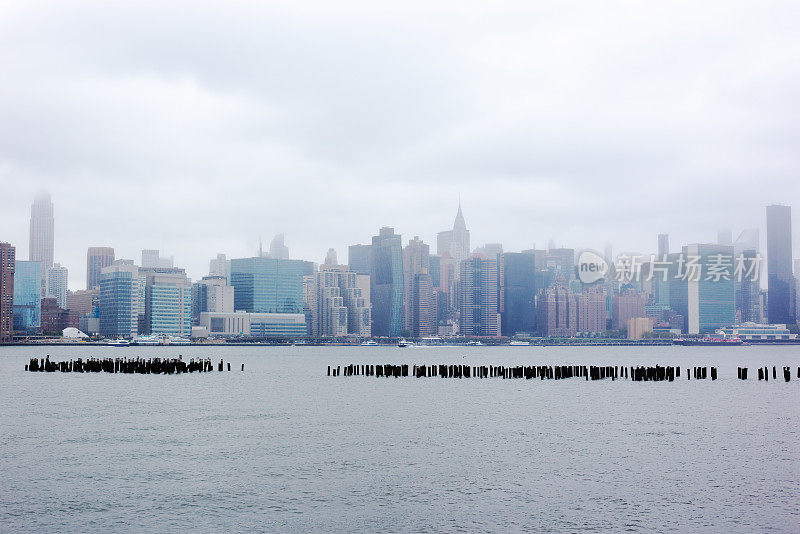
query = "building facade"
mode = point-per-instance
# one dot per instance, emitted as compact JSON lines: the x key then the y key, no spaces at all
{"x":27,"y":297}
{"x":591,"y":305}
{"x":267,"y":285}
{"x":256,"y":325}
{"x":122,"y":299}
{"x":780,"y":282}
{"x":41,"y":240}
{"x":416,"y":261}
{"x":519,"y":308}
{"x":477,"y":298}
{"x":168,"y":303}
{"x":454,"y":243}
{"x":557,"y":312}
{"x":56,"y":284}
{"x":7,"y":268}
{"x":96,"y":259}
{"x":387,"y":289}
{"x":710,"y":303}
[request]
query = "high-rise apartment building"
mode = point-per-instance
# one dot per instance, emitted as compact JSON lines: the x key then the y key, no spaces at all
{"x":557,"y":312}
{"x":27,"y":296}
{"x":424,"y":317}
{"x":338,"y":304}
{"x":477,"y":298}
{"x":387,"y":284}
{"x":591,"y":305}
{"x":42,"y":234}
{"x":96,"y":259}
{"x":780,"y":282}
{"x":7,"y":267}
{"x":56,"y":284}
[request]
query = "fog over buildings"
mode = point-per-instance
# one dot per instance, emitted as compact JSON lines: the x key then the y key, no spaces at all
{"x":194,"y":129}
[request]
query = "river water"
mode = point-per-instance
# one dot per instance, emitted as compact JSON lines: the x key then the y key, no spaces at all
{"x":283,"y":447}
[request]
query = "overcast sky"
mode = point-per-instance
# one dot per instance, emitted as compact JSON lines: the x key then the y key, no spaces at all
{"x":197,"y":127}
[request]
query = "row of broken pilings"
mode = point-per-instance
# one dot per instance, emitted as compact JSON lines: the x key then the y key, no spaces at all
{"x":166,"y":366}
{"x":656,"y":373}
{"x":763,"y":373}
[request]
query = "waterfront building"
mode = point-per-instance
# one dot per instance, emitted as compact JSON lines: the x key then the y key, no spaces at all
{"x":359,"y":258}
{"x":477,"y":298}
{"x":27,"y":296}
{"x":758,"y":332}
{"x":519,"y":285}
{"x":96,"y":259}
{"x":255,"y":325}
{"x":56,"y":284}
{"x":455,"y":242}
{"x":7,"y":268}
{"x":780,"y":282}
{"x":591,"y":304}
{"x":268,"y":285}
{"x":168,"y":302}
{"x":557,"y":312}
{"x":83,"y":301}
{"x":122,"y":300}
{"x":627,"y":305}
{"x":42,"y":235}
{"x":710,"y":303}
{"x":637,"y":327}
{"x":387,"y":284}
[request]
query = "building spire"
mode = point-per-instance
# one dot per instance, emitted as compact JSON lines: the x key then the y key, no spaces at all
{"x":459,"y":223}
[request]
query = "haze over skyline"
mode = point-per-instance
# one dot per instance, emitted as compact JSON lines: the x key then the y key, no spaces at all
{"x":196,"y":129}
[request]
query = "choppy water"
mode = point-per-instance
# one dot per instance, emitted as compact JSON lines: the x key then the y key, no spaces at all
{"x":282,"y":447}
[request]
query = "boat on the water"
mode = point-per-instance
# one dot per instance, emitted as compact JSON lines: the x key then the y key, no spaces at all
{"x":519,"y":344}
{"x":147,"y":340}
{"x":370,"y":343}
{"x":119,"y":343}
{"x":475,"y":343}
{"x":403,"y":343}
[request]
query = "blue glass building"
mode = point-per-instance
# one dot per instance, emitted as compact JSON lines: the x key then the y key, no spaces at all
{"x":27,"y":296}
{"x":386,"y":284}
{"x":118,"y":302}
{"x":519,"y":287}
{"x":267,"y":285}
{"x":168,"y":304}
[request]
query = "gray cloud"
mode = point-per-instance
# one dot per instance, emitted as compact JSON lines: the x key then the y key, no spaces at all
{"x":196,"y":127}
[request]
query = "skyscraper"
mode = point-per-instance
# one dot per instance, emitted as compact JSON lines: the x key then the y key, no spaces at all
{"x":663,"y":245}
{"x":7,"y":267}
{"x":562,"y":261}
{"x":454,"y":242}
{"x":267,"y":285}
{"x":780,"y":283}
{"x":416,"y":260}
{"x":338,"y":305}
{"x":519,"y":310}
{"x":41,"y":234}
{"x":424,"y":320}
{"x":27,"y":296}
{"x":477,"y":298}
{"x":387,"y":284}
{"x":277,"y":249}
{"x":56,"y":284}
{"x":330,"y":257}
{"x":591,"y":305}
{"x":710,"y":303}
{"x":121,"y":299}
{"x":96,"y":259}
{"x":557,"y":312}
{"x":359,"y":258}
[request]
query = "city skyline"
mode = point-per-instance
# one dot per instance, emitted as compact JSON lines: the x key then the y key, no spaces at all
{"x":198,"y":269}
